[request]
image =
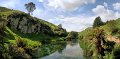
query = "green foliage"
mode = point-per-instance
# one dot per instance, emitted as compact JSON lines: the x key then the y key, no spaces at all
{"x":88,"y":36}
{"x":60,"y":32}
{"x":72,"y":35}
{"x":21,"y":42}
{"x":3,"y":9}
{"x":30,"y":7}
{"x":90,"y":39}
{"x":60,"y":25}
{"x":112,"y":27}
{"x":3,"y":50}
{"x":18,"y":52}
{"x":116,"y":53}
{"x":97,"y":22}
{"x":52,"y":26}
{"x":47,"y":49}
{"x":3,"y":23}
{"x":18,"y":14}
{"x":26,"y":46}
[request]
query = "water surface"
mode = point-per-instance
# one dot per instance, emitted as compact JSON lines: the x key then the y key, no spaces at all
{"x":71,"y":51}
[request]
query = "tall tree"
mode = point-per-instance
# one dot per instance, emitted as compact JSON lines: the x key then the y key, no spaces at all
{"x":30,"y":7}
{"x":97,"y":22}
{"x":60,"y":25}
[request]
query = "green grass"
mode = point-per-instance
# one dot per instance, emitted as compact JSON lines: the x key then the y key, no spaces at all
{"x":33,"y":38}
{"x":110,"y":28}
{"x":111,"y":25}
{"x":45,"y":43}
{"x":11,"y":36}
{"x":3,"y":9}
{"x":5,"y":12}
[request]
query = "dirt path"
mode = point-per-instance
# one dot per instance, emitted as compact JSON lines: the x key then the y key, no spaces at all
{"x":113,"y":38}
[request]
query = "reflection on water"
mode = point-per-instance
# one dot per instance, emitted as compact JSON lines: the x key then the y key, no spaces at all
{"x":71,"y":51}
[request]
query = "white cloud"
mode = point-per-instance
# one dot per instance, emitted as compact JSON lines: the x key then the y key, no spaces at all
{"x":40,"y":0}
{"x":116,"y":6}
{"x":68,"y":4}
{"x":9,"y":3}
{"x":105,"y":4}
{"x":80,"y":22}
{"x":104,"y":13}
{"x":76,"y":23}
{"x":38,"y":12}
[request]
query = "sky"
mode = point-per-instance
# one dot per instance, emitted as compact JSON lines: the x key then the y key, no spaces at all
{"x":74,"y":15}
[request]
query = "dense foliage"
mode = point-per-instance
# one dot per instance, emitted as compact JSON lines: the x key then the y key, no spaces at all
{"x":30,"y":7}
{"x":72,"y":35}
{"x":101,"y":38}
{"x":15,"y":43}
{"x":97,"y":22}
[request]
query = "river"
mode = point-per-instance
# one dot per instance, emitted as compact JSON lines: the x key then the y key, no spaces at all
{"x":71,"y":51}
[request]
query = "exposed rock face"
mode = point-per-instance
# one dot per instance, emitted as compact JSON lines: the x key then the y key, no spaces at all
{"x":26,"y":24}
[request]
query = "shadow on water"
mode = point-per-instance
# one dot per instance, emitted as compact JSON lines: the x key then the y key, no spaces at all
{"x":71,"y":50}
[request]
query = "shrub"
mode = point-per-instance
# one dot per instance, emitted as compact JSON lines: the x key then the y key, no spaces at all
{"x":116,"y":53}
{"x":21,"y":42}
{"x":72,"y":35}
{"x":18,"y":52}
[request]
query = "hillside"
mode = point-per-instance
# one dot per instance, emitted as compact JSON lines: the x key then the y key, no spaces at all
{"x":104,"y":39}
{"x":23,"y":35}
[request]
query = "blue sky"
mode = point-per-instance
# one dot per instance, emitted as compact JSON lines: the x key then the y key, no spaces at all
{"x":74,"y":15}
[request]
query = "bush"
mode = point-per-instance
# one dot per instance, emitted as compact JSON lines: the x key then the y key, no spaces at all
{"x":18,"y":52}
{"x":60,"y":32}
{"x":21,"y":42}
{"x":116,"y":53}
{"x":72,"y":35}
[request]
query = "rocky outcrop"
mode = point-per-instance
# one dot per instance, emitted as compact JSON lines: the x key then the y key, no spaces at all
{"x":26,"y":24}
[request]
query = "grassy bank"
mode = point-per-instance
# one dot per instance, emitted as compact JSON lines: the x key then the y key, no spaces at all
{"x":88,"y":39}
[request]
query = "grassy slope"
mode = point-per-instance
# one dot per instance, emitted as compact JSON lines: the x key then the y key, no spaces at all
{"x":108,"y":28}
{"x":35,"y":39}
{"x":5,"y":12}
{"x":32,"y":40}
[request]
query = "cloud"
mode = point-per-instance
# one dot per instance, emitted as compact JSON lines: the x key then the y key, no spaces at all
{"x":75,"y":23}
{"x":116,"y":6}
{"x":80,"y":22}
{"x":105,"y":4}
{"x":68,"y":4}
{"x":104,"y":13}
{"x":9,"y":3}
{"x":38,"y":12}
{"x":40,"y":0}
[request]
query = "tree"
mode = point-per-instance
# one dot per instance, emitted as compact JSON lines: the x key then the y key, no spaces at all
{"x":60,"y":31}
{"x":97,"y":22}
{"x":72,"y":35}
{"x":30,"y":7}
{"x":60,"y":25}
